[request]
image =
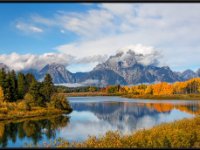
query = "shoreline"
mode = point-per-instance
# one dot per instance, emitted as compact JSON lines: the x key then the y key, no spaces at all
{"x":12,"y":115}
{"x":85,"y":94}
{"x":155,"y":97}
{"x":35,"y":118}
{"x":166,"y":97}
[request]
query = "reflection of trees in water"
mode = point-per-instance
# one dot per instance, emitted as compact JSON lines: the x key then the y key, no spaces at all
{"x":33,"y":129}
{"x":137,"y":109}
{"x":130,"y":116}
{"x":191,"y":108}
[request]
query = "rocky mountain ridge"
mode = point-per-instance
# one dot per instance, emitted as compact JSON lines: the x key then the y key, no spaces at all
{"x":124,"y":68}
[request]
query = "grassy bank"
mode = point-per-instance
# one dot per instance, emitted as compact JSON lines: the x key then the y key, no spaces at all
{"x":15,"y":111}
{"x":29,"y":114}
{"x":168,"y":97}
{"x":179,"y":134}
{"x":156,"y":97}
{"x":76,"y":94}
{"x":35,"y":118}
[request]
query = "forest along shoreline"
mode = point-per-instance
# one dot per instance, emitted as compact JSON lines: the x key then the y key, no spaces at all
{"x":22,"y":96}
{"x":186,"y":90}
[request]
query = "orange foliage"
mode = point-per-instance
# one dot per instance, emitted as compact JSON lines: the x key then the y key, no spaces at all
{"x":167,"y":107}
{"x":161,"y":107}
{"x":179,"y":87}
{"x":191,"y":86}
{"x":162,"y":88}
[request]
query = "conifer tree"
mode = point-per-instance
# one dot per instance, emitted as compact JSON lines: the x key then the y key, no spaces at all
{"x":47,"y":87}
{"x":29,"y":78}
{"x":8,"y":91}
{"x":34,"y":90}
{"x":14,"y":85}
{"x":21,"y":85}
{"x":3,"y":78}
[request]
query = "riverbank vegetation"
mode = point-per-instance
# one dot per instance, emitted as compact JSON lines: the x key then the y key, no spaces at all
{"x":189,"y":89}
{"x":75,"y":94}
{"x":23,"y":96}
{"x":179,"y":134}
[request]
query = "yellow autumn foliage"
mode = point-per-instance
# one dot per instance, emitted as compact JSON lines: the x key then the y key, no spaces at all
{"x":1,"y":94}
{"x":2,"y":129}
{"x":179,"y":134}
{"x":191,"y":86}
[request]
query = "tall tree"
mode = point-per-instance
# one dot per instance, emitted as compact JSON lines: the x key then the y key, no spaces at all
{"x":34,"y":90}
{"x":3,"y":78}
{"x":21,"y":85}
{"x":29,"y":79}
{"x":47,"y":87}
{"x":14,"y":85}
{"x":8,"y":91}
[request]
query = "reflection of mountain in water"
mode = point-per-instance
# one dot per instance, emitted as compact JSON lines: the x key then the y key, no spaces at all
{"x":124,"y":116}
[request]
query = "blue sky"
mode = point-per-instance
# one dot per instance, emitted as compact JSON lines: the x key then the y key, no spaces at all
{"x":81,"y":35}
{"x":36,"y":43}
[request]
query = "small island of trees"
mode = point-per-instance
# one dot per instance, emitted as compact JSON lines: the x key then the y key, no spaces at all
{"x":22,"y":95}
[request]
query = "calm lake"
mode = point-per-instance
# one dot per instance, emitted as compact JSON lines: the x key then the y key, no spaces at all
{"x":96,"y":116}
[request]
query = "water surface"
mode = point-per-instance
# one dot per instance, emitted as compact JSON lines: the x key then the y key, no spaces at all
{"x":95,"y":116}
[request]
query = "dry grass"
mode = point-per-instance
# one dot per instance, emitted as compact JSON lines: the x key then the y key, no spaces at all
{"x":179,"y":134}
{"x":15,"y":110}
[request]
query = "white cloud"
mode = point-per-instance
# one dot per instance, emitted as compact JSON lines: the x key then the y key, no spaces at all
{"x":172,"y":29}
{"x":62,"y":31}
{"x":28,"y":28}
{"x":81,"y":67}
{"x":88,"y":82}
{"x":19,"y":62}
{"x":70,"y":84}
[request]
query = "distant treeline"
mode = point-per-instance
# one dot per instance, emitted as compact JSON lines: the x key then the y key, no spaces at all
{"x":191,"y":86}
{"x":64,"y":89}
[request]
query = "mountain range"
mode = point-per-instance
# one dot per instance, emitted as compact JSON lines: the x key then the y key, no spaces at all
{"x":122,"y":68}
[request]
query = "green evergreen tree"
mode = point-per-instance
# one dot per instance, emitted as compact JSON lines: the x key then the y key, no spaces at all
{"x":47,"y":87}
{"x":14,"y":85}
{"x":21,"y":85}
{"x":3,"y":78}
{"x":29,"y":79}
{"x":34,"y":90}
{"x":8,"y":89}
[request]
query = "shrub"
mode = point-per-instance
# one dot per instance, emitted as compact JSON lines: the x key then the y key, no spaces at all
{"x":24,"y":105}
{"x":29,"y":98}
{"x":3,"y":110}
{"x":1,"y":94}
{"x":60,"y":101}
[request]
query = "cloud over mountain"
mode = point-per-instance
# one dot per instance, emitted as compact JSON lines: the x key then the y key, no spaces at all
{"x":101,"y":29}
{"x":145,"y":55}
{"x":25,"y":61}
{"x":173,"y":29}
